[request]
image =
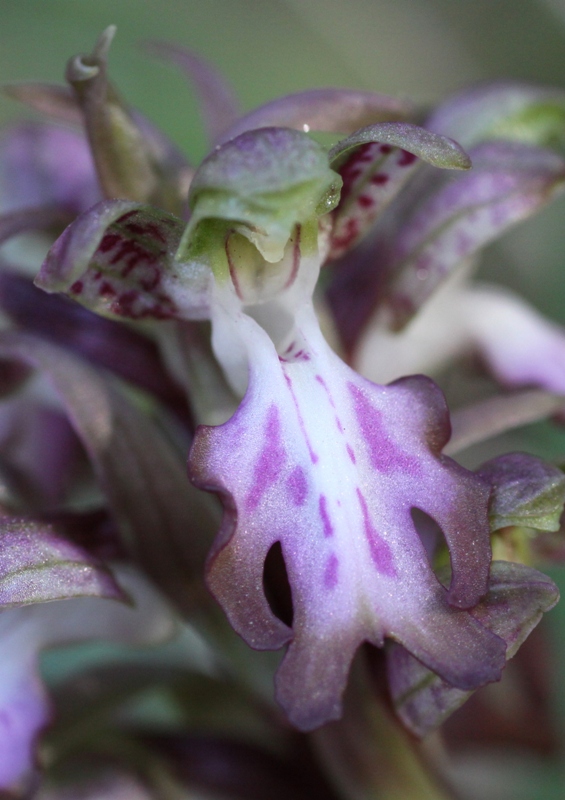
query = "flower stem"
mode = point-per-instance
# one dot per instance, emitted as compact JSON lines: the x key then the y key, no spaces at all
{"x":368,"y":754}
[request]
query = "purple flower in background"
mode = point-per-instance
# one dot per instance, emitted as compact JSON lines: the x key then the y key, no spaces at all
{"x":346,"y":476}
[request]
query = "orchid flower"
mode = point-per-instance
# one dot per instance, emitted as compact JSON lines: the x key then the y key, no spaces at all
{"x":348,"y":479}
{"x":317,"y":458}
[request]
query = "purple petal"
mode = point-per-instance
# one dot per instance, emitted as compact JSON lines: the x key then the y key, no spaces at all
{"x":165,"y":523}
{"x":518,"y":345}
{"x":43,"y":164}
{"x":24,"y":632}
{"x":102,"y":341}
{"x":25,"y":710}
{"x":333,"y":110}
{"x":508,"y":183}
{"x":50,"y":99}
{"x":218,"y":104}
{"x":504,"y":109}
{"x":375,"y":163}
{"x":340,"y":506}
{"x":117,"y":258}
{"x":526,"y":492}
{"x":37,"y":565}
{"x":41,"y":454}
{"x":517,"y":598}
{"x":481,"y":421}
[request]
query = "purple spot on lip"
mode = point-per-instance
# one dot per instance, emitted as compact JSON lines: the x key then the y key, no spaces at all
{"x":351,"y":454}
{"x":384,"y":454}
{"x":381,"y":554}
{"x":325,"y":517}
{"x":339,"y":425}
{"x":271,"y":459}
{"x":330,"y":572}
{"x":297,"y":486}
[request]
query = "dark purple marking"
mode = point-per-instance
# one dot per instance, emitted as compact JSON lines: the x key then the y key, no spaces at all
{"x":106,"y":290}
{"x":152,"y":280}
{"x":339,"y":425}
{"x":295,"y":258}
{"x":325,"y":517}
{"x":77,"y":287}
{"x":135,"y":252}
{"x":381,"y":554}
{"x":136,"y":228}
{"x":297,"y":486}
{"x":386,"y":149}
{"x":330,"y":572}
{"x":350,"y":171}
{"x":149,"y":229}
{"x":406,"y":158}
{"x":351,"y":454}
{"x":231,"y":266}
{"x":349,"y":231}
{"x":270,"y":462}
{"x":365,"y":201}
{"x":322,"y":382}
{"x":132,"y":304}
{"x":313,"y":455}
{"x":384,"y":454}
{"x":380,"y":179}
{"x":109,"y":241}
{"x":153,"y":230}
{"x":126,"y":216}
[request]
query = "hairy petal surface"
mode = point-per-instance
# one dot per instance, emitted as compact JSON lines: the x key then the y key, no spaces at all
{"x":37,"y":565}
{"x":517,"y":598}
{"x":330,"y":466}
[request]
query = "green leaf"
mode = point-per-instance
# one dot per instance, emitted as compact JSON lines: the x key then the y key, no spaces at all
{"x":526,"y":492}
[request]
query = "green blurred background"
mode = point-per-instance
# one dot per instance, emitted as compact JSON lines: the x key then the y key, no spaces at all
{"x":423,"y":49}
